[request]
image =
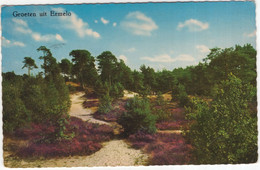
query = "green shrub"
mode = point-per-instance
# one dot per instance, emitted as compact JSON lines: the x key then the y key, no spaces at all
{"x":15,"y":113}
{"x":117,"y":91}
{"x":162,"y":114}
{"x":179,"y":94}
{"x":160,"y":99}
{"x":105,"y":104}
{"x":138,"y":117}
{"x":224,"y":131}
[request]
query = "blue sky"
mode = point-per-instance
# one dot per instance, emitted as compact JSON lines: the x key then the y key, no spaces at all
{"x":160,"y":35}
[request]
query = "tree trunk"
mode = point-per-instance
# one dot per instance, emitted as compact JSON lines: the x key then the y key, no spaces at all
{"x":29,"y":71}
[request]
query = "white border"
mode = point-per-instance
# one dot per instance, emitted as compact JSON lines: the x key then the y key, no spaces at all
{"x":176,"y":167}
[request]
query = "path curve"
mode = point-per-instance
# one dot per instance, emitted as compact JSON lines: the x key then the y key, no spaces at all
{"x":77,"y":109}
{"x":113,"y":153}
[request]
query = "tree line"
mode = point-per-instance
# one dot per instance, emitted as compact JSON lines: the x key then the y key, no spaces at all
{"x":197,"y":80}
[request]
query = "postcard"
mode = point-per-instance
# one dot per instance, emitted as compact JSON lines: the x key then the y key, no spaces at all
{"x":129,"y":84}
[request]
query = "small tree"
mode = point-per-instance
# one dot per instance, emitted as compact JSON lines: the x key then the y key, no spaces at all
{"x":66,"y":67}
{"x":29,"y":63}
{"x":224,"y":131}
{"x":138,"y":117}
{"x":105,"y":104}
{"x":159,"y":99}
{"x":179,"y":94}
{"x":117,"y":91}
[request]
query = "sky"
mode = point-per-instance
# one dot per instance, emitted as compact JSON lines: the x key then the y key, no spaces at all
{"x":159,"y":35}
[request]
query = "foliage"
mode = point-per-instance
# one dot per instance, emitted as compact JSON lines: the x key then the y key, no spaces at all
{"x":123,"y":75}
{"x":50,"y":66}
{"x":15,"y":114}
{"x":137,"y":117}
{"x":114,"y":114}
{"x":224,"y":131}
{"x":117,"y":91}
{"x":84,"y":67}
{"x":105,"y":104}
{"x":66,"y":68}
{"x":35,"y":99}
{"x":160,"y":99}
{"x":29,"y":63}
{"x":179,"y":94}
{"x":149,"y":80}
{"x":106,"y":66}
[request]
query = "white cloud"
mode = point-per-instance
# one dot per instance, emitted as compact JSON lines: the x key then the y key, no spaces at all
{"x":165,"y":58}
{"x":9,"y":43}
{"x":59,"y":37}
{"x":104,"y":21}
{"x":17,"y":43}
{"x":20,"y":22}
{"x":22,"y":27}
{"x":77,"y":24}
{"x":92,"y":33}
{"x":130,"y":50}
{"x":250,"y":35}
{"x":23,"y":30}
{"x":203,"y":48}
{"x":96,"y":21}
{"x":139,"y":24}
{"x":185,"y":57}
{"x":47,"y":37}
{"x":114,"y":24}
{"x":193,"y":25}
{"x":123,"y":57}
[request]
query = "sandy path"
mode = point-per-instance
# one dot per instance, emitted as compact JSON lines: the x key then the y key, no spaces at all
{"x":114,"y":153}
{"x":77,"y":110}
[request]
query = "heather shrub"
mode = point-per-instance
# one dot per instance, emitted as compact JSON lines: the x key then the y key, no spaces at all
{"x":85,"y":140}
{"x":141,"y":136}
{"x":162,"y":113}
{"x":164,"y":148}
{"x":171,"y":125}
{"x":171,"y":150}
{"x":137,"y":117}
{"x":114,"y":114}
{"x":88,"y":104}
{"x":178,"y":113}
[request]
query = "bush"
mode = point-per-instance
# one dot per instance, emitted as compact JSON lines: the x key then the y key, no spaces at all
{"x":117,"y":91}
{"x":15,"y":114}
{"x":137,"y":117}
{"x":160,"y":99}
{"x":162,"y":113}
{"x":224,"y":131}
{"x":105,"y":104}
{"x":179,"y":93}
